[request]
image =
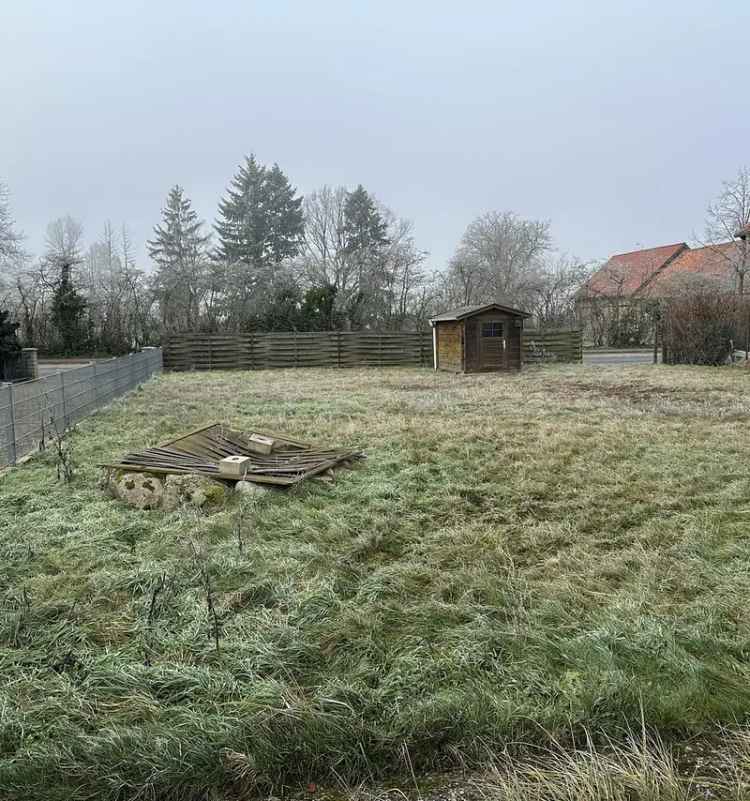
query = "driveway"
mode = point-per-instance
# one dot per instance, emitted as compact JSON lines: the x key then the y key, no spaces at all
{"x":50,"y":367}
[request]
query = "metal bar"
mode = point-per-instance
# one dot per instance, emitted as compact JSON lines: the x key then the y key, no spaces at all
{"x":64,"y":404}
{"x":13,"y":448}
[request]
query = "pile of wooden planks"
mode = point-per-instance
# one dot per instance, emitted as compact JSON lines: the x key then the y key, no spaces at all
{"x":201,"y":451}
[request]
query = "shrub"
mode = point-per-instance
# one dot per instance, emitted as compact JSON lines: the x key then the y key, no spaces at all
{"x":701,"y":327}
{"x":9,"y":345}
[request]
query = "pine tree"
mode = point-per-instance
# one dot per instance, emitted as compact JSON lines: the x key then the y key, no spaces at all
{"x":365,"y":230}
{"x":179,"y":248}
{"x":260,"y":220}
{"x":64,"y":237}
{"x":286,"y":219}
{"x":365,"y":243}
{"x":68,"y":308}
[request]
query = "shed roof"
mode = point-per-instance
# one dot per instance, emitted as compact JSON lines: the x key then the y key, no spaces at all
{"x":462,"y":312}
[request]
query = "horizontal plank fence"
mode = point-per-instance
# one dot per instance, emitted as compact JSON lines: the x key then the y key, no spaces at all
{"x":32,"y":412}
{"x":540,"y":346}
{"x":197,"y":351}
{"x":316,"y":349}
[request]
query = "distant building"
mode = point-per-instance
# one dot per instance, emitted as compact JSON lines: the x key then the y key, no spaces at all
{"x":616,"y":305}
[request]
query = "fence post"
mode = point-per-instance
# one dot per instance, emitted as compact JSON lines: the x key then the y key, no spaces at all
{"x":64,"y":402}
{"x":96,"y":386}
{"x":13,"y":450}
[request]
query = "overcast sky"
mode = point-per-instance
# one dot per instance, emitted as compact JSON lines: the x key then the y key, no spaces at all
{"x":617,"y":121}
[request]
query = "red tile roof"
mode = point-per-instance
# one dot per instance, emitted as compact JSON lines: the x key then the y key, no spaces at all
{"x":711,"y":263}
{"x":626,"y":273}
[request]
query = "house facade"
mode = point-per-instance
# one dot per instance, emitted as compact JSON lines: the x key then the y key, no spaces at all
{"x":617,"y":305}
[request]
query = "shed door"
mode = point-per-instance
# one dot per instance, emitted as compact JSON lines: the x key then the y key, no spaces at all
{"x":493,"y":350}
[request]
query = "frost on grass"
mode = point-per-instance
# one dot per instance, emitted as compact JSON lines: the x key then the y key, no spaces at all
{"x":525,"y":557}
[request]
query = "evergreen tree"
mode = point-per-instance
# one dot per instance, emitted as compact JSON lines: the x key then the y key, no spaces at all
{"x":64,"y":237}
{"x":365,"y":230}
{"x":179,"y":249}
{"x":286,"y":219}
{"x":68,"y":309}
{"x":365,"y":245}
{"x":283,"y":310}
{"x":318,"y":311}
{"x":260,"y":220}
{"x":8,"y":341}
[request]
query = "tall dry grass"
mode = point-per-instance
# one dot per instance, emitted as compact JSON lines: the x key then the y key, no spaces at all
{"x":551,"y":554}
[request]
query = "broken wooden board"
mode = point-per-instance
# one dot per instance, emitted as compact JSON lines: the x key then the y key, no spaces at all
{"x":200,"y":452}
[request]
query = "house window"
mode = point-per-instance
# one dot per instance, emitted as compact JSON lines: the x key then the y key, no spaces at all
{"x":492,"y":329}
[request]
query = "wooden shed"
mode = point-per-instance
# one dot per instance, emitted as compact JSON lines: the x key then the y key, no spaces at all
{"x":476,"y":339}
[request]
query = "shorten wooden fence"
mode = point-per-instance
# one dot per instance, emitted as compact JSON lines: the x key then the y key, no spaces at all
{"x":552,"y":346}
{"x":335,"y":349}
{"x":317,"y":349}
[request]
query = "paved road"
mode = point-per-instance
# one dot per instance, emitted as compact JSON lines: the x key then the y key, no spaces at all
{"x":50,"y":368}
{"x":619,"y":357}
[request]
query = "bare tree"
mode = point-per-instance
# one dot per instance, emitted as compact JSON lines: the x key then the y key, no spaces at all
{"x":33,"y":296}
{"x":727,"y":219}
{"x":499,"y":258}
{"x":403,"y":278}
{"x":12,"y":255}
{"x":10,"y":239}
{"x":323,"y":252}
{"x":386,"y":289}
{"x":553,"y":294}
{"x":64,"y":242}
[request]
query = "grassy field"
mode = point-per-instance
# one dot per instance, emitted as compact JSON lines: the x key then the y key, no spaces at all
{"x":554,"y":559}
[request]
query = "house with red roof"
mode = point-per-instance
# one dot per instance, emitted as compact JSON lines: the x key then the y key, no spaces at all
{"x":616,"y":305}
{"x":627,"y":275}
